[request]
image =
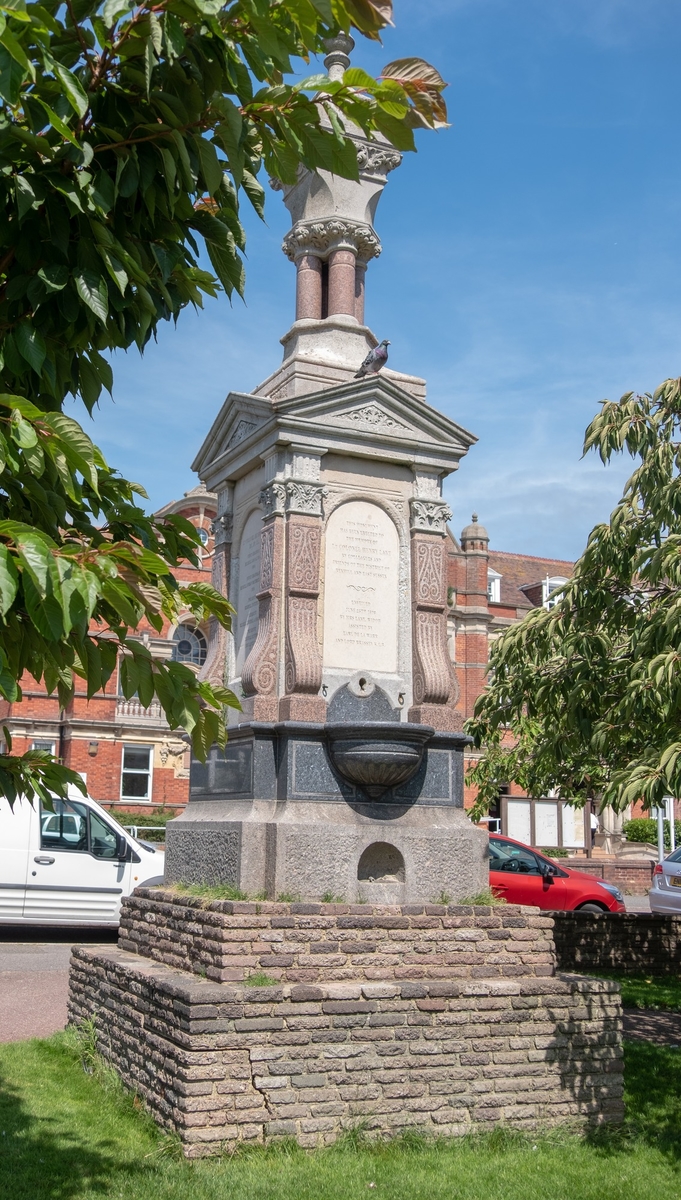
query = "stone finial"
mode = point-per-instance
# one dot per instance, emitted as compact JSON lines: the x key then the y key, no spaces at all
{"x":474,"y":536}
{"x":337,"y":60}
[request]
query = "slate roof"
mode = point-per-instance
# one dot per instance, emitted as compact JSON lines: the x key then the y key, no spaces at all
{"x":521,"y":570}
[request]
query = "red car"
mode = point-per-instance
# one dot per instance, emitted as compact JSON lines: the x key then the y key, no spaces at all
{"x":523,"y":876}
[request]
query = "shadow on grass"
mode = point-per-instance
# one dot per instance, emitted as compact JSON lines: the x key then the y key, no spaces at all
{"x":44,"y":1157}
{"x":652,"y":1079}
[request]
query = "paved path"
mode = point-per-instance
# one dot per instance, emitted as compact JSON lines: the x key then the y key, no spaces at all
{"x":34,"y":974}
{"x":637,"y":904}
{"x":652,"y":1025}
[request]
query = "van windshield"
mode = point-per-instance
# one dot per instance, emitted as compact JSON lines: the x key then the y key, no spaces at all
{"x":74,"y":826}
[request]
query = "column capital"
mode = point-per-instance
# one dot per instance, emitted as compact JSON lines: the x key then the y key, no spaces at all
{"x":273,"y":500}
{"x":305,"y":498}
{"x":429,"y":516}
{"x":324,"y":236}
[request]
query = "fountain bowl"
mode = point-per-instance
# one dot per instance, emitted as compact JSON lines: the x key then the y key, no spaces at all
{"x":377,"y":755}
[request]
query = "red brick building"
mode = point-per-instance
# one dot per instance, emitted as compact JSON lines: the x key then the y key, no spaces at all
{"x":126,"y":753}
{"x":131,"y":759}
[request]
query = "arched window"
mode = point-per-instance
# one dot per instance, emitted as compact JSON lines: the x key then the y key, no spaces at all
{"x":190,"y":645}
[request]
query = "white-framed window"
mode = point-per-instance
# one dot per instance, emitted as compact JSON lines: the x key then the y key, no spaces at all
{"x":493,"y":586}
{"x":550,"y":584}
{"x":136,"y":772}
{"x":44,"y":744}
{"x":190,"y":645}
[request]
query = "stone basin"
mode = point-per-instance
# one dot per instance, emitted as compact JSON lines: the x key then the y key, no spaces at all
{"x":377,"y":755}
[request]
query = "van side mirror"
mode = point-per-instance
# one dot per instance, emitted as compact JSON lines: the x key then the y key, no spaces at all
{"x":122,"y":847}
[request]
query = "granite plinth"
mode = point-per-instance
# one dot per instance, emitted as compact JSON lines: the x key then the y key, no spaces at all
{"x":271,"y":815}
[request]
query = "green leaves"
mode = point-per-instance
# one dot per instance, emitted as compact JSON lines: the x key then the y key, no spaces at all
{"x":587,"y":697}
{"x":129,"y":133}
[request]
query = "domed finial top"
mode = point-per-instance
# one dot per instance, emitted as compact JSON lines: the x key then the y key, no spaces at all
{"x":474,"y":536}
{"x":338,"y":57}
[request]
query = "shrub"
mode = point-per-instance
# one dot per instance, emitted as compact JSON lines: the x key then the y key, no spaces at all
{"x":644,"y":829}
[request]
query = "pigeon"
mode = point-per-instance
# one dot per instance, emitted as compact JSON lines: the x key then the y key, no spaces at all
{"x":374,"y":360}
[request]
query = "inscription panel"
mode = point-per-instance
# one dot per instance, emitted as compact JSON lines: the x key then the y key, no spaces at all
{"x":361,"y":589}
{"x":249,"y":586}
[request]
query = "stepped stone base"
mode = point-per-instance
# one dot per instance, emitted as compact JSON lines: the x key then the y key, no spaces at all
{"x":479,"y":1032}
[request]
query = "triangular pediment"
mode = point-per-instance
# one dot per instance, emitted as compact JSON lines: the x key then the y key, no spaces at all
{"x":379,"y":407}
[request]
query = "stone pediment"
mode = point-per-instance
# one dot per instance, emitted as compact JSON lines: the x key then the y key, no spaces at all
{"x":377,"y":407}
{"x":374,"y":418}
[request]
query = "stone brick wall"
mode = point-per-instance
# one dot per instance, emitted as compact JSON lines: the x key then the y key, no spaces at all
{"x":294,"y":943}
{"x":633,"y":876}
{"x":633,"y":943}
{"x":229,"y":1064}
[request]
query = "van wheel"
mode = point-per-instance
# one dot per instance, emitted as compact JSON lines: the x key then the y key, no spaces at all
{"x":594,"y":908}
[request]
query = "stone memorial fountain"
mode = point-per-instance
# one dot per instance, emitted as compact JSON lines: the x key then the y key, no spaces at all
{"x":344,"y":774}
{"x":356,"y":991}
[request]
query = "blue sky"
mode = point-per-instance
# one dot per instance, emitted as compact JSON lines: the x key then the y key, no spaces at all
{"x":530,"y":264}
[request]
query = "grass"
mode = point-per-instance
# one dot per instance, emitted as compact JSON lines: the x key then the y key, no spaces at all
{"x":72,"y":1134}
{"x":486,"y":897}
{"x":204,"y":891}
{"x":646,"y":991}
{"x":260,"y":979}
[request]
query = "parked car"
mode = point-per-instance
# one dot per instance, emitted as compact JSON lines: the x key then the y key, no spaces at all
{"x":665,"y":893}
{"x":524,"y":876}
{"x":70,"y":864}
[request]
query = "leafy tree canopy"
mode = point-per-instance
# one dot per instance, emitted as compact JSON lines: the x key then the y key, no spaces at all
{"x":585,"y":697}
{"x":129,"y":134}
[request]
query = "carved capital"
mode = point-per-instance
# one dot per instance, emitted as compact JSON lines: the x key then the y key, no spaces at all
{"x":273,"y":500}
{"x":305,"y":497}
{"x":222,"y":529}
{"x":429,"y":516}
{"x":374,"y":159}
{"x":331,"y":233}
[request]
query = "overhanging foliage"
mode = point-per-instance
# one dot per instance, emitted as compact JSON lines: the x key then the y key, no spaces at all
{"x":129,"y":134}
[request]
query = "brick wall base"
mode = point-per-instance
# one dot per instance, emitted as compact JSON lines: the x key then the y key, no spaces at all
{"x":633,"y":876}
{"x":632,"y":943}
{"x":227,"y":1064}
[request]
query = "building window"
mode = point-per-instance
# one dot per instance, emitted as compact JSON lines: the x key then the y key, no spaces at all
{"x":549,"y":585}
{"x":203,"y":535}
{"x":136,"y":773}
{"x":190,"y":645}
{"x":44,"y":745}
{"x":494,"y":587}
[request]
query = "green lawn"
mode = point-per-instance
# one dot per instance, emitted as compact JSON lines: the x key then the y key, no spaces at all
{"x":64,"y":1135}
{"x":643,"y":991}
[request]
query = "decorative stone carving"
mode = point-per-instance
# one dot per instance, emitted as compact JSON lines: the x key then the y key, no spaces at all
{"x":332,"y":233}
{"x":222,"y":529}
{"x":273,"y":500}
{"x":303,"y":661}
{"x":304,"y":497}
{"x":432,"y":679}
{"x":377,"y":160}
{"x":429,"y":560}
{"x":303,"y":567}
{"x":429,"y":516}
{"x":372,"y":418}
{"x":303,"y":673}
{"x":259,"y":672}
{"x":243,"y":429}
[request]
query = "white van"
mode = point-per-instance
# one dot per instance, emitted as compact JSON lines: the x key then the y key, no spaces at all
{"x":70,"y":865}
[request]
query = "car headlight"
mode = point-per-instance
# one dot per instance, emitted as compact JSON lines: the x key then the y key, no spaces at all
{"x":613,"y":889}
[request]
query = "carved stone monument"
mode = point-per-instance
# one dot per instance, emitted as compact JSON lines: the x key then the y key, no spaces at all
{"x":344,"y":775}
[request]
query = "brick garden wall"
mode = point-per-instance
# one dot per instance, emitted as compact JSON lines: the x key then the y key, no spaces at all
{"x":633,"y":876}
{"x":633,"y":943}
{"x":225,"y":1064}
{"x":230,"y":940}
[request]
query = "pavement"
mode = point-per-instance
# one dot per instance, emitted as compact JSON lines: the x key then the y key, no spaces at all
{"x":34,"y":978}
{"x":636,"y":904}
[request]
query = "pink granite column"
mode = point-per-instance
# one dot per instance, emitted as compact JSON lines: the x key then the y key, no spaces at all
{"x":342,"y":283}
{"x":360,"y":280}
{"x":309,"y":287}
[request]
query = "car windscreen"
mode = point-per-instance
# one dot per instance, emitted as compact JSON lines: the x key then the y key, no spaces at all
{"x":675,"y":857}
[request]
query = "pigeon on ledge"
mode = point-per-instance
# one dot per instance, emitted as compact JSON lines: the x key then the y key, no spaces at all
{"x":374,"y":360}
